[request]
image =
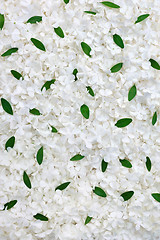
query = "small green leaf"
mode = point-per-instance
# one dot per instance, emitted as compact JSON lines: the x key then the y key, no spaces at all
{"x":148,"y":164}
{"x":6,"y":106}
{"x":77,"y":157}
{"x":88,"y":219}
{"x":38,"y":44}
{"x":59,"y":32}
{"x":116,"y":67}
{"x":132,"y":93}
{"x":156,"y":196}
{"x":62,"y":186}
{"x":110,"y":4}
{"x":141,"y":18}
{"x":127,"y":195}
{"x":48,"y":84}
{"x":154,"y":118}
{"x":1,"y":21}
{"x":118,"y":40}
{"x":90,"y":12}
{"x":125,"y":163}
{"x":154,"y":64}
{"x":75,"y":71}
{"x":26,"y":180}
{"x":9,"y":52}
{"x":10,"y":143}
{"x":123,"y":122}
{"x":10,"y":204}
{"x":39,"y":156}
{"x":34,"y":19}
{"x":86,"y":48}
{"x":34,"y":111}
{"x":85,"y":111}
{"x":41,"y":217}
{"x":90,"y":91}
{"x":66,"y":1}
{"x":16,"y":74}
{"x":104,"y":165}
{"x":54,"y":130}
{"x":99,"y":191}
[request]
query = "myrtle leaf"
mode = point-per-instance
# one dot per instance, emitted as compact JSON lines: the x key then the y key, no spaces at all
{"x":34,"y":19}
{"x":86,"y":48}
{"x":62,"y":186}
{"x":1,"y":21}
{"x":26,"y":180}
{"x":110,"y":4}
{"x":148,"y":164}
{"x":127,"y":195}
{"x":90,"y":91}
{"x":88,"y":219}
{"x":39,"y":156}
{"x":116,"y":67}
{"x":34,"y":111}
{"x":156,"y":196}
{"x":77,"y":157}
{"x":125,"y":163}
{"x":141,"y":18}
{"x":17,"y":75}
{"x":90,"y":12}
{"x":41,"y":217}
{"x":66,"y":1}
{"x":154,"y":64}
{"x":132,"y":93}
{"x":9,"y":52}
{"x":6,"y":106}
{"x":85,"y":111}
{"x":99,"y":191}
{"x":118,"y":40}
{"x":54,"y":130}
{"x":59,"y":32}
{"x":75,"y":71}
{"x":10,"y":204}
{"x":38,"y":44}
{"x":10,"y":143}
{"x":48,"y":84}
{"x":104,"y":165}
{"x":123,"y":122}
{"x":154,"y":118}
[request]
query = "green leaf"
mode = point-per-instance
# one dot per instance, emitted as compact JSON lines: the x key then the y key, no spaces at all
{"x":41,"y":217}
{"x":62,"y":186}
{"x":66,"y":1}
{"x":110,"y":4}
{"x":10,"y":204}
{"x":16,"y":74}
{"x":104,"y":165}
{"x":39,"y":156}
{"x":127,"y":195}
{"x":154,"y":64}
{"x":154,"y":118}
{"x":6,"y":106}
{"x":116,"y":67}
{"x":10,"y":143}
{"x":132,"y":93}
{"x":90,"y":12}
{"x":59,"y":32}
{"x":118,"y":40}
{"x":86,"y":48}
{"x":26,"y":180}
{"x":34,"y":111}
{"x":48,"y":84}
{"x":77,"y":157}
{"x":75,"y":71}
{"x":123,"y":122}
{"x":125,"y":163}
{"x":34,"y":19}
{"x":38,"y":44}
{"x":1,"y":21}
{"x":99,"y":191}
{"x":85,"y":111}
{"x":90,"y":91}
{"x":88,"y":219}
{"x":141,"y":18}
{"x":148,"y":164}
{"x":156,"y":196}
{"x":9,"y":52}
